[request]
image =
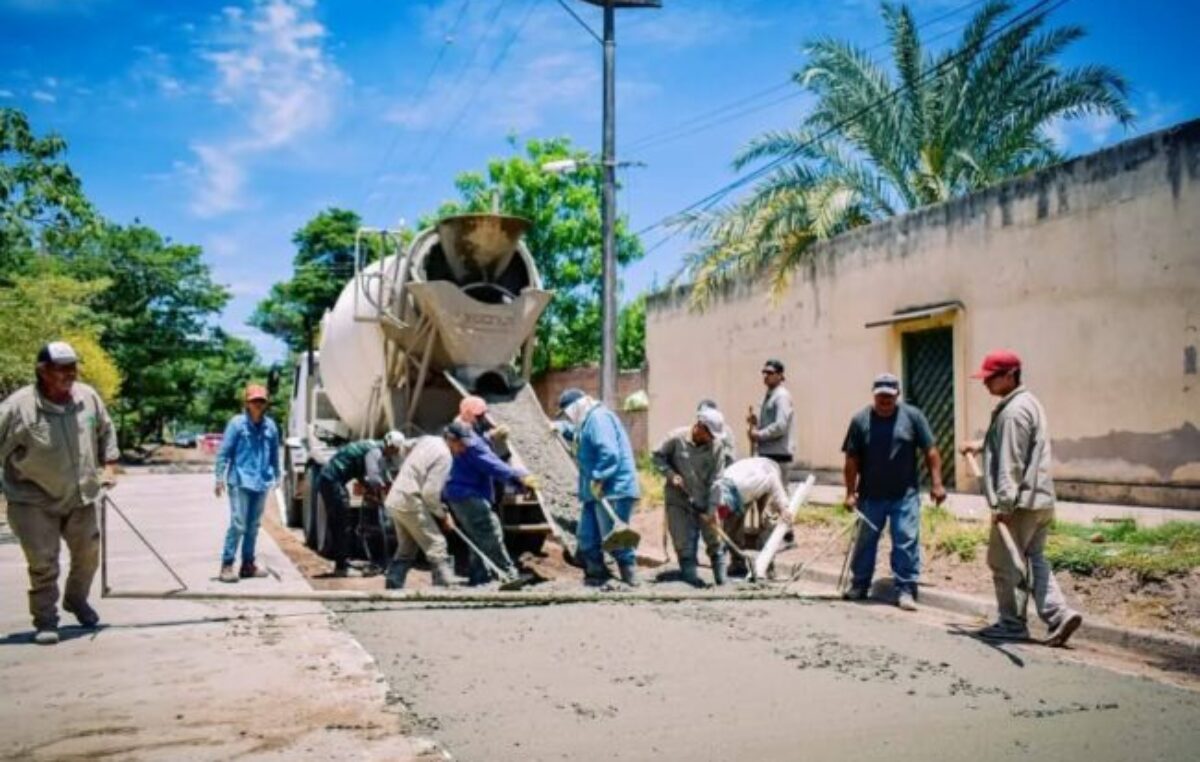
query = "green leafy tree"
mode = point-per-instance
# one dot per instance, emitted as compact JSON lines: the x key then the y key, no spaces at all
{"x":156,"y":311}
{"x":44,"y":306}
{"x":961,"y":120}
{"x":217,"y":379}
{"x":323,"y":264}
{"x":564,"y":239}
{"x":41,"y":199}
{"x":631,"y":335}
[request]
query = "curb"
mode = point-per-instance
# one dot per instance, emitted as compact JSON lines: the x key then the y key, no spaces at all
{"x":1157,"y":644}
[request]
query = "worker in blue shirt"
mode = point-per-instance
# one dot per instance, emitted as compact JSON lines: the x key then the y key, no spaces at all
{"x":607,"y":471}
{"x":247,"y":467}
{"x":470,"y":493}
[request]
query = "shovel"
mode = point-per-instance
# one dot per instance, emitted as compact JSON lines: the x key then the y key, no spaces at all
{"x":1014,"y":554}
{"x":507,"y":581}
{"x":747,"y":557}
{"x":622,"y":536}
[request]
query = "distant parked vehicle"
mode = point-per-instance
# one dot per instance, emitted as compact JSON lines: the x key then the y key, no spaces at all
{"x":209,"y":443}
{"x":186,"y":439}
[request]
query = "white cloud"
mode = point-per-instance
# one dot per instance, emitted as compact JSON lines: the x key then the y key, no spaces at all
{"x":43,"y":96}
{"x":218,"y":181}
{"x":50,"y":82}
{"x":273,"y":70}
{"x":6,"y":93}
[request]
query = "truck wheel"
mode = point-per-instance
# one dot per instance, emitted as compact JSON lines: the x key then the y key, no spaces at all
{"x":309,"y":511}
{"x":293,"y":498}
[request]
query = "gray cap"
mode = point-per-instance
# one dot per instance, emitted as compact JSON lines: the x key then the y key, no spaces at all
{"x":569,"y":397}
{"x":886,"y":383}
{"x":457,"y":430}
{"x":57,"y":353}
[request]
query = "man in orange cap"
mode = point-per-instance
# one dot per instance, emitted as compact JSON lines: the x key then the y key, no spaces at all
{"x":1020,"y":491}
{"x":247,"y":467}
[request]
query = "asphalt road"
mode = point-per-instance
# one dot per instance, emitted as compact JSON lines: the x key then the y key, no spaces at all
{"x":759,"y":681}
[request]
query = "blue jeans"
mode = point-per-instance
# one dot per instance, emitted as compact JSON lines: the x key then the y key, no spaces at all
{"x":595,"y":523}
{"x":903,"y":514}
{"x":245,"y":513}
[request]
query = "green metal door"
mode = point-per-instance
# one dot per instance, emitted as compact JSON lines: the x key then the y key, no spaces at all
{"x":929,"y":384}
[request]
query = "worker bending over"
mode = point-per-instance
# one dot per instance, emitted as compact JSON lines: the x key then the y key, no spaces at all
{"x":748,"y":481}
{"x":369,"y":461}
{"x":691,"y":460}
{"x":415,"y":505}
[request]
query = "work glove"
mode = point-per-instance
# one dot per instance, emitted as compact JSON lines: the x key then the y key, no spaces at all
{"x":597,"y":489}
{"x":529,"y":481}
{"x":499,"y":435}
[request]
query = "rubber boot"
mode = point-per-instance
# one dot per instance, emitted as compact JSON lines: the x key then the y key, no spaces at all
{"x":444,"y":576}
{"x":718,"y":568}
{"x":594,"y":573}
{"x":687,"y":572}
{"x":397,"y":572}
{"x":629,"y":574}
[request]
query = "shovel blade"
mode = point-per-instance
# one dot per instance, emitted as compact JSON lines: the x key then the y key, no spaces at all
{"x":621,"y":538}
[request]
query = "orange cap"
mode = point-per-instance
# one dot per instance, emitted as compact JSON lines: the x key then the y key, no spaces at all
{"x":256,"y":392}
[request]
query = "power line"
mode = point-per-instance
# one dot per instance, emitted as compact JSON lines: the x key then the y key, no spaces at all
{"x":582,"y":23}
{"x":711,"y":199}
{"x":708,"y":119}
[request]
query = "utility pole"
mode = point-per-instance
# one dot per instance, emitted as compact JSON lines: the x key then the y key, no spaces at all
{"x":608,"y":201}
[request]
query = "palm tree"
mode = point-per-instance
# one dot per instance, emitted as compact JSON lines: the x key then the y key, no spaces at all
{"x":878,"y":144}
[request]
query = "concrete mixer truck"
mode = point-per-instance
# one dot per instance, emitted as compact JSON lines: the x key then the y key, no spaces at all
{"x":451,"y":314}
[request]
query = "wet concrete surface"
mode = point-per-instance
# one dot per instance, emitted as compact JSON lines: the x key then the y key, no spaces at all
{"x":785,"y":680}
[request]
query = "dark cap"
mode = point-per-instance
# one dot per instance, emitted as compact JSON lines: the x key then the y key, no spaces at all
{"x":886,"y":383}
{"x":57,"y":353}
{"x":457,"y":430}
{"x":773,"y":365}
{"x":569,"y":397}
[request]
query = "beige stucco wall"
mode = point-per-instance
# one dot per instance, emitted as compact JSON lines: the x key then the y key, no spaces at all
{"x":1090,"y":270}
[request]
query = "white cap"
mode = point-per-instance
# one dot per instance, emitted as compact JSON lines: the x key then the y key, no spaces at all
{"x":393,"y":439}
{"x":58,"y":353}
{"x":712,"y":420}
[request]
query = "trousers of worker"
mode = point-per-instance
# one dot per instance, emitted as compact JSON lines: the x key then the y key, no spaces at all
{"x":687,"y":530}
{"x":416,"y":530}
{"x":767,"y":517}
{"x":1029,"y":529}
{"x":41,"y":534}
{"x":478,"y":521}
{"x":595,"y":524}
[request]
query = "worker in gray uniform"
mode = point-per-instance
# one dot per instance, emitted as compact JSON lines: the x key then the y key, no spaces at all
{"x":690,"y":459}
{"x":414,"y":504}
{"x":58,"y":447}
{"x":725,"y":438}
{"x":770,"y":431}
{"x":1020,"y":490}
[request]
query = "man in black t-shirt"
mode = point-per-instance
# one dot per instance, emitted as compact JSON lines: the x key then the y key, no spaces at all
{"x":881,"y":481}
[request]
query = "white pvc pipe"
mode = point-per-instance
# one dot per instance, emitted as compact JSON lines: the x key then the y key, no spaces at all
{"x":767,"y":554}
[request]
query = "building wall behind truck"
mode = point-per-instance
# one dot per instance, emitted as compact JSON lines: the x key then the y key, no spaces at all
{"x":1090,"y":270}
{"x":549,"y":386}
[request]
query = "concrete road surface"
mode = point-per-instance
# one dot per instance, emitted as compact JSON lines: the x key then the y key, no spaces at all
{"x":759,"y":681}
{"x":172,"y":680}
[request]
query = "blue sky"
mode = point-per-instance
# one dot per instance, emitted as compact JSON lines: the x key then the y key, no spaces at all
{"x":229,"y":124}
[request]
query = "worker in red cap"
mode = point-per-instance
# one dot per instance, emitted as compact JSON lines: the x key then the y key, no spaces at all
{"x":247,"y":468}
{"x":1020,"y":491}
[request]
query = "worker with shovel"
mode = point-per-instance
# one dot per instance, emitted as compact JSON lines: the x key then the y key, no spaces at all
{"x":882,"y":481}
{"x":748,"y":481}
{"x":690,"y":460}
{"x":1020,"y":491}
{"x":414,"y":503}
{"x":470,"y":492}
{"x":608,"y":487}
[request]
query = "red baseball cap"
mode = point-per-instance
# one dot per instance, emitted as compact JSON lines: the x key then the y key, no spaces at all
{"x":256,"y":392}
{"x":996,"y":362}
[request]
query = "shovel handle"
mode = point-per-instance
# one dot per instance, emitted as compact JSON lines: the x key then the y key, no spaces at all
{"x":489,"y":563}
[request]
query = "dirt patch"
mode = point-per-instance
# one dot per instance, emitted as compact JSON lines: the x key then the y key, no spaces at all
{"x":1170,"y":605}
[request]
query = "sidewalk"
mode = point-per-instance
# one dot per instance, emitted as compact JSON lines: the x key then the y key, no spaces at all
{"x":968,"y":506}
{"x":176,"y":680}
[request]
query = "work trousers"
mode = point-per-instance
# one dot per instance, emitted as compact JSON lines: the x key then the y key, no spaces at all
{"x":903,"y":517}
{"x":687,"y":529}
{"x":41,"y":534}
{"x":481,"y":524}
{"x":245,"y":514}
{"x":595,"y":524}
{"x":1029,"y":531}
{"x":417,"y":530}
{"x":337,"y":510}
